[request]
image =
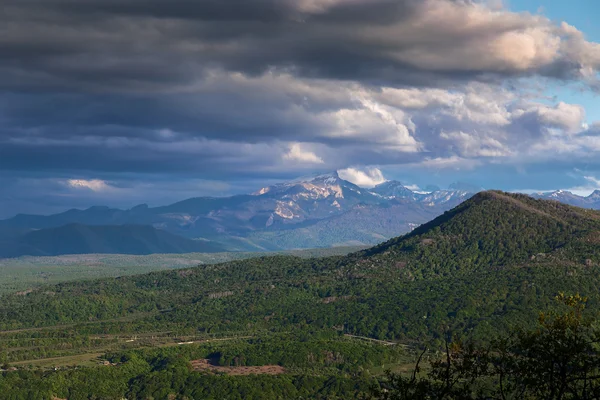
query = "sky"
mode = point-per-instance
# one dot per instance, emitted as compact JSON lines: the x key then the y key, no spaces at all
{"x":121,"y":102}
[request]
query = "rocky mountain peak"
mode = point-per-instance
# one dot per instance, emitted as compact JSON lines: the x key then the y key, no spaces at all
{"x":313,"y":183}
{"x":392,"y":189}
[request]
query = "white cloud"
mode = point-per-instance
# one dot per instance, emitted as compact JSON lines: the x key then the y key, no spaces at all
{"x":95,"y":185}
{"x":454,"y":162}
{"x":560,"y":148}
{"x":494,"y":40}
{"x":365,"y":125}
{"x":595,"y":182}
{"x":594,"y":126}
{"x":473,"y":145}
{"x":368,"y":177}
{"x":416,"y":189}
{"x":569,"y":117}
{"x":296,"y":153}
{"x":475,"y":102}
{"x":318,"y":6}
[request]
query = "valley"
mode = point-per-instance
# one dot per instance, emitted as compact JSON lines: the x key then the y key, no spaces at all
{"x":26,"y":273}
{"x":299,"y":200}
{"x":475,"y":272}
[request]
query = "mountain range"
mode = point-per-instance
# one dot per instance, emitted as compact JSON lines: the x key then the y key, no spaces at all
{"x":564,"y":196}
{"x":495,"y":259}
{"x":476,"y":274}
{"x":317,"y":211}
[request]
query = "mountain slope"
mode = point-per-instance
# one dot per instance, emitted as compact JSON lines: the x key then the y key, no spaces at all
{"x":324,"y":210}
{"x":361,"y":225}
{"x":495,"y":259}
{"x":316,"y":211}
{"x":468,"y":275}
{"x":393,"y":189}
{"x":495,"y":229}
{"x":111,"y":239}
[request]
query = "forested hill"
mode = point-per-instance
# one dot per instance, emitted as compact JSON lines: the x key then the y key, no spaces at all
{"x":494,"y":229}
{"x":479,"y":270}
{"x":491,"y":231}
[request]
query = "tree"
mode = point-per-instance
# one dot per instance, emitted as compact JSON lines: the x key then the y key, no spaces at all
{"x":558,"y":360}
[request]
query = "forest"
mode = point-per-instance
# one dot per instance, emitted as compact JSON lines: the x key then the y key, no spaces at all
{"x":333,"y":326}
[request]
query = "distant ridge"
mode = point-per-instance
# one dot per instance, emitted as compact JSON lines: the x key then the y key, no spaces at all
{"x":102,"y":239}
{"x":564,"y":196}
{"x":315,"y":211}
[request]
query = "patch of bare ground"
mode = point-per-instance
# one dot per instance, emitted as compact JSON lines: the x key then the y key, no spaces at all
{"x":383,"y":342}
{"x":220,"y":295}
{"x":184,"y":273}
{"x":209,"y":366}
{"x":333,"y":299}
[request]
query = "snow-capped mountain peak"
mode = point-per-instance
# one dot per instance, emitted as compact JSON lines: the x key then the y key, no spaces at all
{"x":392,"y":189}
{"x":560,"y":193}
{"x":325,"y":194}
{"x":564,"y":196}
{"x":317,"y":180}
{"x":314,"y":186}
{"x":328,"y":178}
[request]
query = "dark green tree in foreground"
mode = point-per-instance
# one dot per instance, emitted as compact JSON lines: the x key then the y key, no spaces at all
{"x":559,"y":360}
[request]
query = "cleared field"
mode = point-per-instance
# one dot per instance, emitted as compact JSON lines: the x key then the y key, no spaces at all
{"x":208,"y":365}
{"x":99,"y":349}
{"x":79,"y":360}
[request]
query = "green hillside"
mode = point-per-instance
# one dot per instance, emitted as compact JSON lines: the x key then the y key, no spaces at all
{"x":495,"y":229}
{"x":479,"y":270}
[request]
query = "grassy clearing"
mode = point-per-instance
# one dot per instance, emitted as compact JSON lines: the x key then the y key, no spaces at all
{"x":26,"y":273}
{"x":80,"y":360}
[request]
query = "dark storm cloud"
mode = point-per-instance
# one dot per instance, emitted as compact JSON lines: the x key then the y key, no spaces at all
{"x":124,"y":154}
{"x":157,"y":45}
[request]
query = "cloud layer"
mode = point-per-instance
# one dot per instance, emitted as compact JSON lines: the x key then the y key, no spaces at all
{"x":107,"y":94}
{"x":152,"y":45}
{"x":369,"y":177}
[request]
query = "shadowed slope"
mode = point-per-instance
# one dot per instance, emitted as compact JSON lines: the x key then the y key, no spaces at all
{"x":110,"y":239}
